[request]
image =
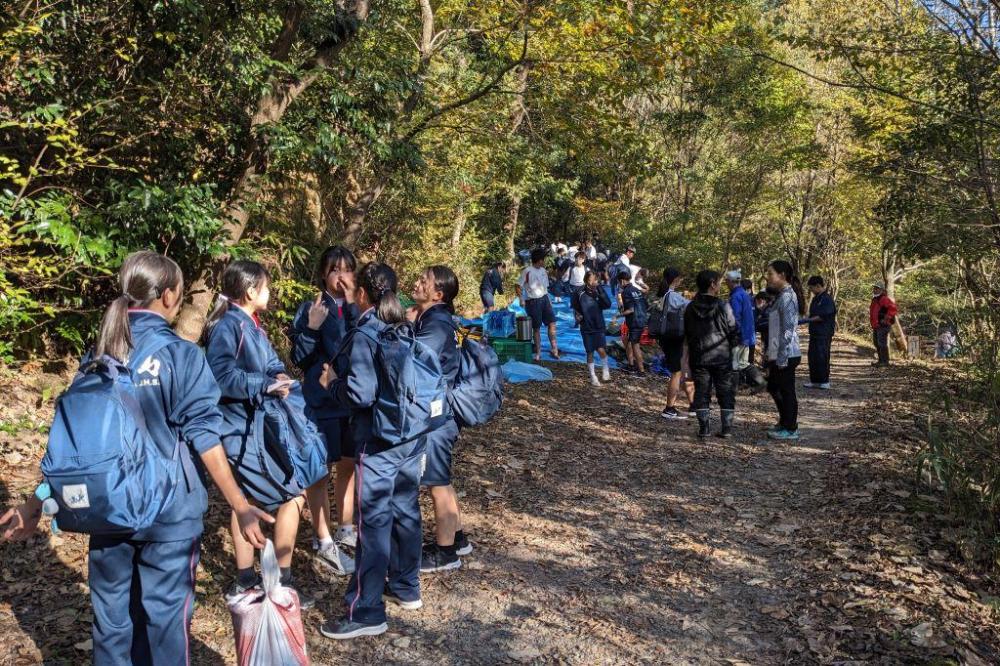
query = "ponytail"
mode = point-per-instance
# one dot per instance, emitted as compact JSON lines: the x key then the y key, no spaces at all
{"x":786,"y":270}
{"x":379,"y":283}
{"x":143,"y":278}
{"x":237,"y":280}
{"x":446,"y":282}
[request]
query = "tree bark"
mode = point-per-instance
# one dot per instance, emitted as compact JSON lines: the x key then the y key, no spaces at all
{"x":270,"y":108}
{"x":517,"y":116}
{"x":460,"y":220}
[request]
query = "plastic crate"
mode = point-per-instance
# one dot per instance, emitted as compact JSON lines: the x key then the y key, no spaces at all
{"x":507,"y":349}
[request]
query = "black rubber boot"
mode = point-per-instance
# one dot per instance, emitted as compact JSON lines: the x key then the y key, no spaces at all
{"x":726,"y":431}
{"x":703,"y":423}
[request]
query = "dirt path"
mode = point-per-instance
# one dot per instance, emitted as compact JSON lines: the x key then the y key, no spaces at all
{"x":605,"y":534}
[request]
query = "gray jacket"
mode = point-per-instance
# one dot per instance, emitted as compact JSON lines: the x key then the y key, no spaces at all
{"x":783,"y":332}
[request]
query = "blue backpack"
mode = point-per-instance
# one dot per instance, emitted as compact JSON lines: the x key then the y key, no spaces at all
{"x":293,"y":454}
{"x":412,"y":391}
{"x":478,"y":391}
{"x":105,"y":471}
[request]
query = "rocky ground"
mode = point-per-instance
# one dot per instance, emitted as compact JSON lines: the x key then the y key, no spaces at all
{"x":605,"y":534}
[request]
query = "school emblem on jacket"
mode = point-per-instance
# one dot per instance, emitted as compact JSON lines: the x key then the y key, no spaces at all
{"x":151,"y":367}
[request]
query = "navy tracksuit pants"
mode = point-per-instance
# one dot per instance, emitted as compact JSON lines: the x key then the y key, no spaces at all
{"x":143,"y":598}
{"x":387,"y":484}
{"x":819,"y":359}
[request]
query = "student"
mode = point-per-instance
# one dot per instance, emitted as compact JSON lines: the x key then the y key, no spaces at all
{"x":318,"y":328}
{"x":762,"y":302}
{"x":633,"y":308}
{"x":589,"y":305}
{"x":672,"y":344}
{"x":249,"y":371}
{"x":783,"y":352}
{"x":434,"y":294}
{"x":533,"y":290}
{"x":883,"y":315}
{"x":388,"y":477}
{"x":747,"y":285}
{"x":578,"y":273}
{"x":822,"y":323}
{"x":562,"y":268}
{"x":639,"y":277}
{"x":712,"y":334}
{"x":739,"y":301}
{"x":142,"y":585}
{"x":622,"y":266}
{"x":946,"y":345}
{"x":491,"y":285}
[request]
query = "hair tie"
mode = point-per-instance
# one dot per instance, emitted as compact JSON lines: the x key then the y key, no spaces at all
{"x":382,"y":293}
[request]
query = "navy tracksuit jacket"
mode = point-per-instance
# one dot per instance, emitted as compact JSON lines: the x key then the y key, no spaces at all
{"x":435,"y":329}
{"x":245,"y":364}
{"x":310,"y":350}
{"x":386,"y":481}
{"x":821,"y":336}
{"x":142,"y":586}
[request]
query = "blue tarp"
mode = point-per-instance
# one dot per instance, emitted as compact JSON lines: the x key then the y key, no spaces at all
{"x":567,"y":336}
{"x":516,"y":372}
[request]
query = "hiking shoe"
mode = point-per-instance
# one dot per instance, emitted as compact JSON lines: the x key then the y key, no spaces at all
{"x":345,"y":629}
{"x":338,"y":561}
{"x":435,"y":559}
{"x":809,"y":385}
{"x":390,"y":598}
{"x":346,"y":537}
{"x":462,"y":545}
{"x":783,"y":434}
{"x":825,"y":386}
{"x":671,"y":414}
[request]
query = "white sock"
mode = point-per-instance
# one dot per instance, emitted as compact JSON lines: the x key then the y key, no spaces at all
{"x":604,"y":361}
{"x":325,"y":542}
{"x":593,"y":374}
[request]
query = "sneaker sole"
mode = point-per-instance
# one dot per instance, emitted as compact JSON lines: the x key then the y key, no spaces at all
{"x":405,"y":605}
{"x":464,"y":550}
{"x":357,"y":633}
{"x":444,"y":567}
{"x":674,"y":417}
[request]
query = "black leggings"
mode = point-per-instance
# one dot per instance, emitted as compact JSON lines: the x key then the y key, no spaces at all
{"x":724,"y":380}
{"x":781,"y":386}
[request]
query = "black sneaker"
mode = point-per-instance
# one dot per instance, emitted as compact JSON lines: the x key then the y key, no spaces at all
{"x":671,"y":414}
{"x":435,"y":559}
{"x":344,"y":629}
{"x":390,"y":598}
{"x":462,"y":545}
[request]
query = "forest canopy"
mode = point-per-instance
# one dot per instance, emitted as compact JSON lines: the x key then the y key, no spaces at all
{"x":855,"y":140}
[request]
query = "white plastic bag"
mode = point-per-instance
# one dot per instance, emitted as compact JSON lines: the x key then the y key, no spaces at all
{"x":268,"y":622}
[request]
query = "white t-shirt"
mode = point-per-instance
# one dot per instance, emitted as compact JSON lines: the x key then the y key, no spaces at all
{"x":591,"y":252}
{"x":576,"y":275}
{"x":534,"y":282}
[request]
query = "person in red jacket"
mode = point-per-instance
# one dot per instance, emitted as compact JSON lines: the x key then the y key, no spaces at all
{"x":883,"y":316}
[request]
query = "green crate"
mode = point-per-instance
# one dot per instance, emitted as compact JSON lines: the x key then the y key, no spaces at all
{"x":508,"y":348}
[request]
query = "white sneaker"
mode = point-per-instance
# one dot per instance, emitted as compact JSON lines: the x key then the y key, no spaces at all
{"x":606,"y":374}
{"x":825,"y":386}
{"x":594,"y":381}
{"x":339,"y":562}
{"x":346,"y":537}
{"x":809,"y":385}
{"x":390,"y":598}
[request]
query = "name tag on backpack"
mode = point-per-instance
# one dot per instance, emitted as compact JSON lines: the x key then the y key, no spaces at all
{"x":76,"y":497}
{"x":437,"y":408}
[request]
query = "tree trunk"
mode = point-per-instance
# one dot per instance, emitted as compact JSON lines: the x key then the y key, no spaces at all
{"x":510,"y":229}
{"x":270,"y":108}
{"x":460,"y":220}
{"x":517,"y":116}
{"x":889,"y":278}
{"x":356,"y":211}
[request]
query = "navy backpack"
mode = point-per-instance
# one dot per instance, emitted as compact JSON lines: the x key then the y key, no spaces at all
{"x":478,"y":391}
{"x":106,"y":473}
{"x":293,"y":454}
{"x":412,"y":391}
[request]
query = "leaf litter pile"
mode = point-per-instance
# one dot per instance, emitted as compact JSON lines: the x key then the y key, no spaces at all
{"x":605,"y":534}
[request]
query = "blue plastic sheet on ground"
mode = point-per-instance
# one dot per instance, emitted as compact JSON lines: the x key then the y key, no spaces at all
{"x":516,"y":372}
{"x":567,"y":335}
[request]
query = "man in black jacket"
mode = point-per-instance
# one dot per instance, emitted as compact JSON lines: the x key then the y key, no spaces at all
{"x":711,"y":333}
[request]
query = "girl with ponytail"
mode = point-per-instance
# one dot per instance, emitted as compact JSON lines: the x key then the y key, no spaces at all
{"x":434,"y":294}
{"x":142,"y":584}
{"x":249,"y":372}
{"x":783,"y":352}
{"x":387,"y":477}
